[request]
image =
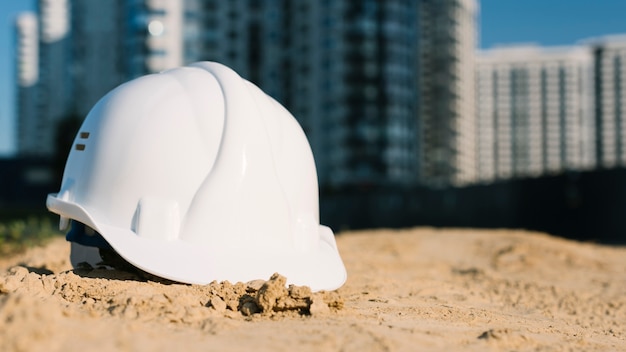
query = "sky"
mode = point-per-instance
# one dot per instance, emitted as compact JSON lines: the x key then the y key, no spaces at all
{"x":544,"y":22}
{"x":549,"y":22}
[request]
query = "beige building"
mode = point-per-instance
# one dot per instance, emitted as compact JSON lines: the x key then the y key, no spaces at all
{"x":534,"y":111}
{"x":610,"y":99}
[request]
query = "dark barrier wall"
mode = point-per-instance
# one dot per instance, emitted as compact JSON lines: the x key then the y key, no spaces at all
{"x":25,"y":182}
{"x":584,"y":206}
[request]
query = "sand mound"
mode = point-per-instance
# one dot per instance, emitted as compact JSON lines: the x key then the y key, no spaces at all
{"x":413,"y":289}
{"x":111,"y":292}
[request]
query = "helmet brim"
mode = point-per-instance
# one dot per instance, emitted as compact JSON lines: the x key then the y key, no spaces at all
{"x":320,"y":267}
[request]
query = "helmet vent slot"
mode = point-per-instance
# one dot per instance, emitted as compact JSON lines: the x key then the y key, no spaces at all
{"x":84,"y":135}
{"x":80,"y":147}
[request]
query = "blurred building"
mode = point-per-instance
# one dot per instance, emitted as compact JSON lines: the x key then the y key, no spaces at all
{"x":447,"y":124}
{"x":534,"y":111}
{"x":358,"y":77}
{"x":383,"y":89}
{"x":153,"y":36}
{"x":27,"y":74}
{"x":82,"y":50}
{"x":54,"y":87}
{"x":609,"y":55}
{"x":44,"y":83}
{"x":117,"y":40}
{"x":97,"y":51}
{"x":361,"y":69}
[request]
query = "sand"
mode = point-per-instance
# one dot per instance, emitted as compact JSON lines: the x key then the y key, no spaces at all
{"x":407,"y":290}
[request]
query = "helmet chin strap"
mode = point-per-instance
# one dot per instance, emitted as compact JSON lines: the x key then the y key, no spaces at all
{"x":86,"y":236}
{"x":93,"y":249}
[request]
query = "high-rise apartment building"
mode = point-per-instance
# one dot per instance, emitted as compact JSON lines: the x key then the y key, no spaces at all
{"x":54,"y":86}
{"x":447,"y":124}
{"x":534,"y":111}
{"x":96,"y":50}
{"x":362,"y":68}
{"x":610,"y":99}
{"x":27,"y":46}
{"x":27,"y":68}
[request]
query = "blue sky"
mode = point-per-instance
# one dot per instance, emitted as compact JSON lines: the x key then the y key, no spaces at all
{"x":549,"y":22}
{"x":546,"y":22}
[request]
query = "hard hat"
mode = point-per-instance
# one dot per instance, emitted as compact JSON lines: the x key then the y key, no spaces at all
{"x":194,"y":175}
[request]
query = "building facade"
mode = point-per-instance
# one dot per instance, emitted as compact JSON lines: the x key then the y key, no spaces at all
{"x":447,"y":122}
{"x":534,"y":111}
{"x":42,"y":78}
{"x":96,"y":50}
{"x":55,"y":86}
{"x":27,"y":74}
{"x":609,"y":55}
{"x":365,"y":81}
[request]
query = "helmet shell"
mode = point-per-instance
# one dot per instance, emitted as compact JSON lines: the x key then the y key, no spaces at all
{"x":195,"y":175}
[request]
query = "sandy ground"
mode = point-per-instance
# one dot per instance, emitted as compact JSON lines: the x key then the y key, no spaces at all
{"x":408,"y":290}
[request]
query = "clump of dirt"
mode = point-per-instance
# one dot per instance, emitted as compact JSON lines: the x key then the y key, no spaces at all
{"x":274,"y":296}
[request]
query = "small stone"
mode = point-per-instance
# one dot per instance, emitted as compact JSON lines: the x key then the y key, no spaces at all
{"x":248,"y":308}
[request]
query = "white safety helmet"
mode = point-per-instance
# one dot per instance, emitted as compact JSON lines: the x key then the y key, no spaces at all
{"x":194,"y":175}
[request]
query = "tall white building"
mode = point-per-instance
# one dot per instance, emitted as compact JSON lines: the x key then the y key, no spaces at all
{"x":27,"y":68}
{"x":27,"y":49}
{"x":447,"y":122}
{"x":534,"y":111}
{"x":610,"y":99}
